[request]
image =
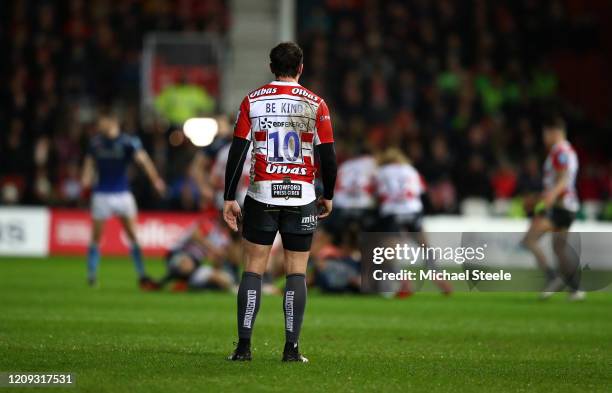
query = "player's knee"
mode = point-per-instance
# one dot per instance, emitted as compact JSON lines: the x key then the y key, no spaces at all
{"x":131,"y":234}
{"x":96,"y":236}
{"x":186,"y":265}
{"x":296,"y":262}
{"x":255,"y":266}
{"x":132,"y":237}
{"x":559,"y":245}
{"x":256,"y":262}
{"x":529,"y":242}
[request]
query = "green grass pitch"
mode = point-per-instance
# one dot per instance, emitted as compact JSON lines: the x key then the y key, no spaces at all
{"x":117,"y":339}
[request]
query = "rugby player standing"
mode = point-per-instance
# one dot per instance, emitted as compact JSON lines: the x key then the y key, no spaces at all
{"x":286,"y":123}
{"x":110,"y":154}
{"x":355,"y":197}
{"x":400,"y":189}
{"x":556,"y":211}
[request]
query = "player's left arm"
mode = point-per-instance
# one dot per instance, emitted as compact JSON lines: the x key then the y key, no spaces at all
{"x":561,"y":182}
{"x":144,"y":160}
{"x":87,"y":176}
{"x":560,"y":163}
{"x":324,"y":146}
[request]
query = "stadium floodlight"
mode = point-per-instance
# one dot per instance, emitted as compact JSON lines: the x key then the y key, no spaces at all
{"x":201,"y":131}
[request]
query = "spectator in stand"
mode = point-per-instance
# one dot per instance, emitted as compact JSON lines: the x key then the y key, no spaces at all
{"x":406,"y":73}
{"x":529,"y":180}
{"x":480,"y":75}
{"x":504,"y":181}
{"x":56,"y":55}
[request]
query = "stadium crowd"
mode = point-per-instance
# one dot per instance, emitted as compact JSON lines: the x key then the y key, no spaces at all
{"x":460,"y":86}
{"x":62,"y":62}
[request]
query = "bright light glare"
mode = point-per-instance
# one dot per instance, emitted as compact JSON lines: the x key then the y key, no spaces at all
{"x":201,"y":130}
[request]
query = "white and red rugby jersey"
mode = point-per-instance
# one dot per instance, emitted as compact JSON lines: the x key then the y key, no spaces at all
{"x":356,"y":183}
{"x":562,"y":158}
{"x":399,"y":188}
{"x":284,"y":121}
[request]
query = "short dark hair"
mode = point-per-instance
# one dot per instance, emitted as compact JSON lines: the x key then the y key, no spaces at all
{"x":286,"y":58}
{"x":107,"y":113}
{"x":554,"y":122}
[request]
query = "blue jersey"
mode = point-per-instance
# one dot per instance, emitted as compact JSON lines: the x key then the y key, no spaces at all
{"x":113,"y":157}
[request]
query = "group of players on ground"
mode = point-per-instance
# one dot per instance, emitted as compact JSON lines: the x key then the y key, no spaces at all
{"x":281,"y":129}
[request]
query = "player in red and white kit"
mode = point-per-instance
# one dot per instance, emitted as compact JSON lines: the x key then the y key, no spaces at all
{"x":355,"y":195}
{"x":284,"y":124}
{"x":400,"y":189}
{"x":556,"y":211}
{"x":217,"y":177}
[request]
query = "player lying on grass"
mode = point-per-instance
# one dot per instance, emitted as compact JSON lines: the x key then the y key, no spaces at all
{"x":400,"y":189}
{"x":286,"y":124}
{"x":109,"y":155}
{"x":337,"y":269}
{"x":198,"y":260}
{"x":556,"y":212}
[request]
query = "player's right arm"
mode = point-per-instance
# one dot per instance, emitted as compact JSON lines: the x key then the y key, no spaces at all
{"x":561,"y":181}
{"x":235,"y":161}
{"x":324,"y":145}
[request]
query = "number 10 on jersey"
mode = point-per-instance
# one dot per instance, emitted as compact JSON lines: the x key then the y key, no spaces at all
{"x":284,"y":146}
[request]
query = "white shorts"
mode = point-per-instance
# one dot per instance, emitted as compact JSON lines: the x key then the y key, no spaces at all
{"x":107,"y":204}
{"x":201,"y":276}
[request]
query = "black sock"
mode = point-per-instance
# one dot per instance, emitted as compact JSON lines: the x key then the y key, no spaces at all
{"x":289,"y":346}
{"x":249,"y":297}
{"x":294,"y":304}
{"x":551,"y":274}
{"x":569,"y":263}
{"x":572,"y":278}
{"x":244,"y":343}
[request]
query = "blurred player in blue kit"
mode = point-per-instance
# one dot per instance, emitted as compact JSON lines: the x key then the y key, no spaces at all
{"x":110,"y":154}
